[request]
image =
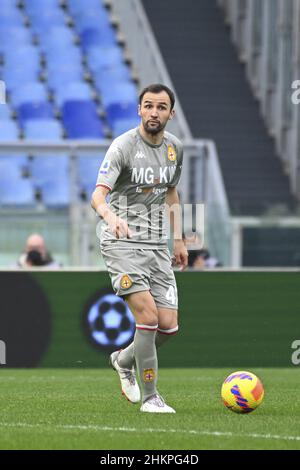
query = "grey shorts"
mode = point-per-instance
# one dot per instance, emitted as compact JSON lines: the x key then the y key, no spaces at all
{"x":134,"y":270}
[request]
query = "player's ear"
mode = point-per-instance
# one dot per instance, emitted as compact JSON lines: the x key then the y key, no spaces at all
{"x":172,"y":114}
{"x":139,"y":109}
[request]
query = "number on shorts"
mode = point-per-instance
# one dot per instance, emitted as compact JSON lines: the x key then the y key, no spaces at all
{"x":171,"y":295}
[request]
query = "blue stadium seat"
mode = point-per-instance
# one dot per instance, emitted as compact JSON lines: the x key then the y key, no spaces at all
{"x":8,"y":5}
{"x":10,"y":18}
{"x":33,"y":6}
{"x":9,"y":171}
{"x":88,"y":168}
{"x":55,"y":38}
{"x":8,"y":130}
{"x":42,"y":110}
{"x":81,"y":120}
{"x":19,"y":163}
{"x":124,"y":92}
{"x":28,"y":93}
{"x":93,"y":37}
{"x":74,"y":91}
{"x":17,"y":192}
{"x":113,"y":75}
{"x":68,"y":73}
{"x":5,"y":112}
{"x":13,"y":37}
{"x":21,"y":74}
{"x":64,"y":56}
{"x":79,"y":8}
{"x":43,"y":129}
{"x":24,"y":55}
{"x":104,"y":57}
{"x":56,"y":193}
{"x":120,"y":126}
{"x":117,"y":111}
{"x":49,"y":167}
{"x":45,"y":20}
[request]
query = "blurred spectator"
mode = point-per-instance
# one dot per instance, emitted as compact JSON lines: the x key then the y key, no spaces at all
{"x":202,"y":259}
{"x":199,"y":256}
{"x":36,"y":254}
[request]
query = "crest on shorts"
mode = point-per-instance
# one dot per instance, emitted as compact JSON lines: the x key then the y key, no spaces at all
{"x":171,"y":153}
{"x":126,"y":282}
{"x":149,"y":375}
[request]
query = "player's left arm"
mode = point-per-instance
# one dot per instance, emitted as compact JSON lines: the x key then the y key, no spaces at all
{"x":179,"y":250}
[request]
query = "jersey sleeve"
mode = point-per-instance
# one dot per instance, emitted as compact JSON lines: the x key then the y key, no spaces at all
{"x":177,"y":174}
{"x":111,"y":168}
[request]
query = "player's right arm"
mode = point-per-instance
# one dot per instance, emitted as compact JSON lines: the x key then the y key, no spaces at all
{"x":116,"y":225}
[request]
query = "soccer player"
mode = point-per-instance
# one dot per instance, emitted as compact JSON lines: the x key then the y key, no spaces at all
{"x":140,"y":171}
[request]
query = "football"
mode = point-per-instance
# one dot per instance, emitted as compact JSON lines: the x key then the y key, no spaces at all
{"x":110,"y":323}
{"x":242,"y":392}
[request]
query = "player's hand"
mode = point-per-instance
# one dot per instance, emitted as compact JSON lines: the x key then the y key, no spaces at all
{"x":118,"y":226}
{"x":180,"y":254}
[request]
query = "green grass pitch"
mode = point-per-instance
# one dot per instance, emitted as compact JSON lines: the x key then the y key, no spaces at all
{"x":84,"y":409}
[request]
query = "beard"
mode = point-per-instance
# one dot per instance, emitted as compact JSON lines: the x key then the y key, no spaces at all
{"x":155,"y":129}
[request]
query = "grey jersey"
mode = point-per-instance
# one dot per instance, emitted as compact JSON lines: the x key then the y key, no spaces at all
{"x":138,"y":174}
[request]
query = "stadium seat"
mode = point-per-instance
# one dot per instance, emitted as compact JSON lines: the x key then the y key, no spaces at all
{"x":5,"y":112}
{"x":36,"y":6}
{"x":118,"y":111}
{"x":8,"y":130}
{"x":29,"y":93}
{"x":88,"y":169}
{"x":9,"y":170}
{"x":123,"y":92}
{"x":120,"y":126}
{"x":21,"y":74}
{"x":49,"y":167}
{"x":43,"y":129}
{"x":78,"y":8}
{"x":93,"y":37}
{"x":18,"y":192}
{"x":42,"y":110}
{"x":104,"y":57}
{"x":113,"y":75}
{"x":19,"y":162}
{"x":56,"y":193}
{"x":68,"y":73}
{"x":55,"y":38}
{"x":64,"y":56}
{"x":81,"y":120}
{"x":10,"y":18}
{"x":74,"y":91}
{"x":24,"y":55}
{"x":45,"y":20}
{"x":13,"y":37}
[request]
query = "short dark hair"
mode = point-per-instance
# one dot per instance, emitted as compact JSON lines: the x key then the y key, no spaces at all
{"x":158,"y":88}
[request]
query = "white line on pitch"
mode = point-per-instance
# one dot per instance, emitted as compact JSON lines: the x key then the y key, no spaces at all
{"x":91,"y":427}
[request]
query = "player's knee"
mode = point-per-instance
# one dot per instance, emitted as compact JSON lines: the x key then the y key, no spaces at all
{"x":148,"y":316}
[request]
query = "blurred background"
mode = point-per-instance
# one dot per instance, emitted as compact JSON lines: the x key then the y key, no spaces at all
{"x":70,"y":73}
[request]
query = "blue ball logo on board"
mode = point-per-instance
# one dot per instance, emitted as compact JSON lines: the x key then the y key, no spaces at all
{"x":109,"y":323}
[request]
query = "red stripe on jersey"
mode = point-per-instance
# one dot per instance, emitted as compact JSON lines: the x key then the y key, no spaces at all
{"x":104,"y":186}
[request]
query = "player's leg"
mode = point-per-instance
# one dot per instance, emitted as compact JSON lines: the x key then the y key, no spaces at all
{"x":167,"y":328}
{"x":145,"y":312}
